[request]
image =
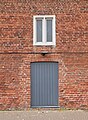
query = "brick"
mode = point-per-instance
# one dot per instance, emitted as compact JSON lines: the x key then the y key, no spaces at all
{"x":16,"y":48}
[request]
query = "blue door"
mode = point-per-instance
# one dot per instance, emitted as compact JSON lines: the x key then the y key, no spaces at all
{"x":44,"y":84}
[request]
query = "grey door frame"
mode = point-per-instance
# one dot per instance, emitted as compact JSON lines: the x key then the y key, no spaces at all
{"x":31,"y":86}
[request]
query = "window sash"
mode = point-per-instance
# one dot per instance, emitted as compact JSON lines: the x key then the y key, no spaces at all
{"x":49,"y":30}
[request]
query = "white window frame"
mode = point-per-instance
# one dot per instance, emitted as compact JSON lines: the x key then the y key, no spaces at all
{"x":53,"y":43}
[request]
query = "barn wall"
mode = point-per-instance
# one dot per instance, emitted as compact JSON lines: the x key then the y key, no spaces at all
{"x":17,"y":51}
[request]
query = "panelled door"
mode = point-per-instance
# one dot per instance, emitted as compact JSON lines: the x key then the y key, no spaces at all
{"x":44,"y":84}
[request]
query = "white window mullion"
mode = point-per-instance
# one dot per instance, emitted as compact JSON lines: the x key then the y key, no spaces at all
{"x":54,"y":31}
{"x":43,"y":31}
{"x":34,"y":30}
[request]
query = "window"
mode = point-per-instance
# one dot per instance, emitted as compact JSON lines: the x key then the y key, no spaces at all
{"x":44,"y":30}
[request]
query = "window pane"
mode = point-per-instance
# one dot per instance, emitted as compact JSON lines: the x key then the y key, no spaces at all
{"x":39,"y":30}
{"x":49,"y":30}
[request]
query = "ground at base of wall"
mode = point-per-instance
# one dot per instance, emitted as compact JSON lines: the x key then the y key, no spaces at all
{"x":45,"y":115}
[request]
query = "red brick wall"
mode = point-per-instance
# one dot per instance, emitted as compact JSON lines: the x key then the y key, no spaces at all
{"x":16,"y":45}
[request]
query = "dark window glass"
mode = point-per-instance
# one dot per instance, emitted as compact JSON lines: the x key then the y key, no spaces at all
{"x":39,"y":30}
{"x":49,"y":30}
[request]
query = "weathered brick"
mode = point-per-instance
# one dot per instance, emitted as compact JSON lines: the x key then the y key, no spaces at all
{"x":17,"y":51}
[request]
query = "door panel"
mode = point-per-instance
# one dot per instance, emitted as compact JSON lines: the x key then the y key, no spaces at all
{"x":44,"y":84}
